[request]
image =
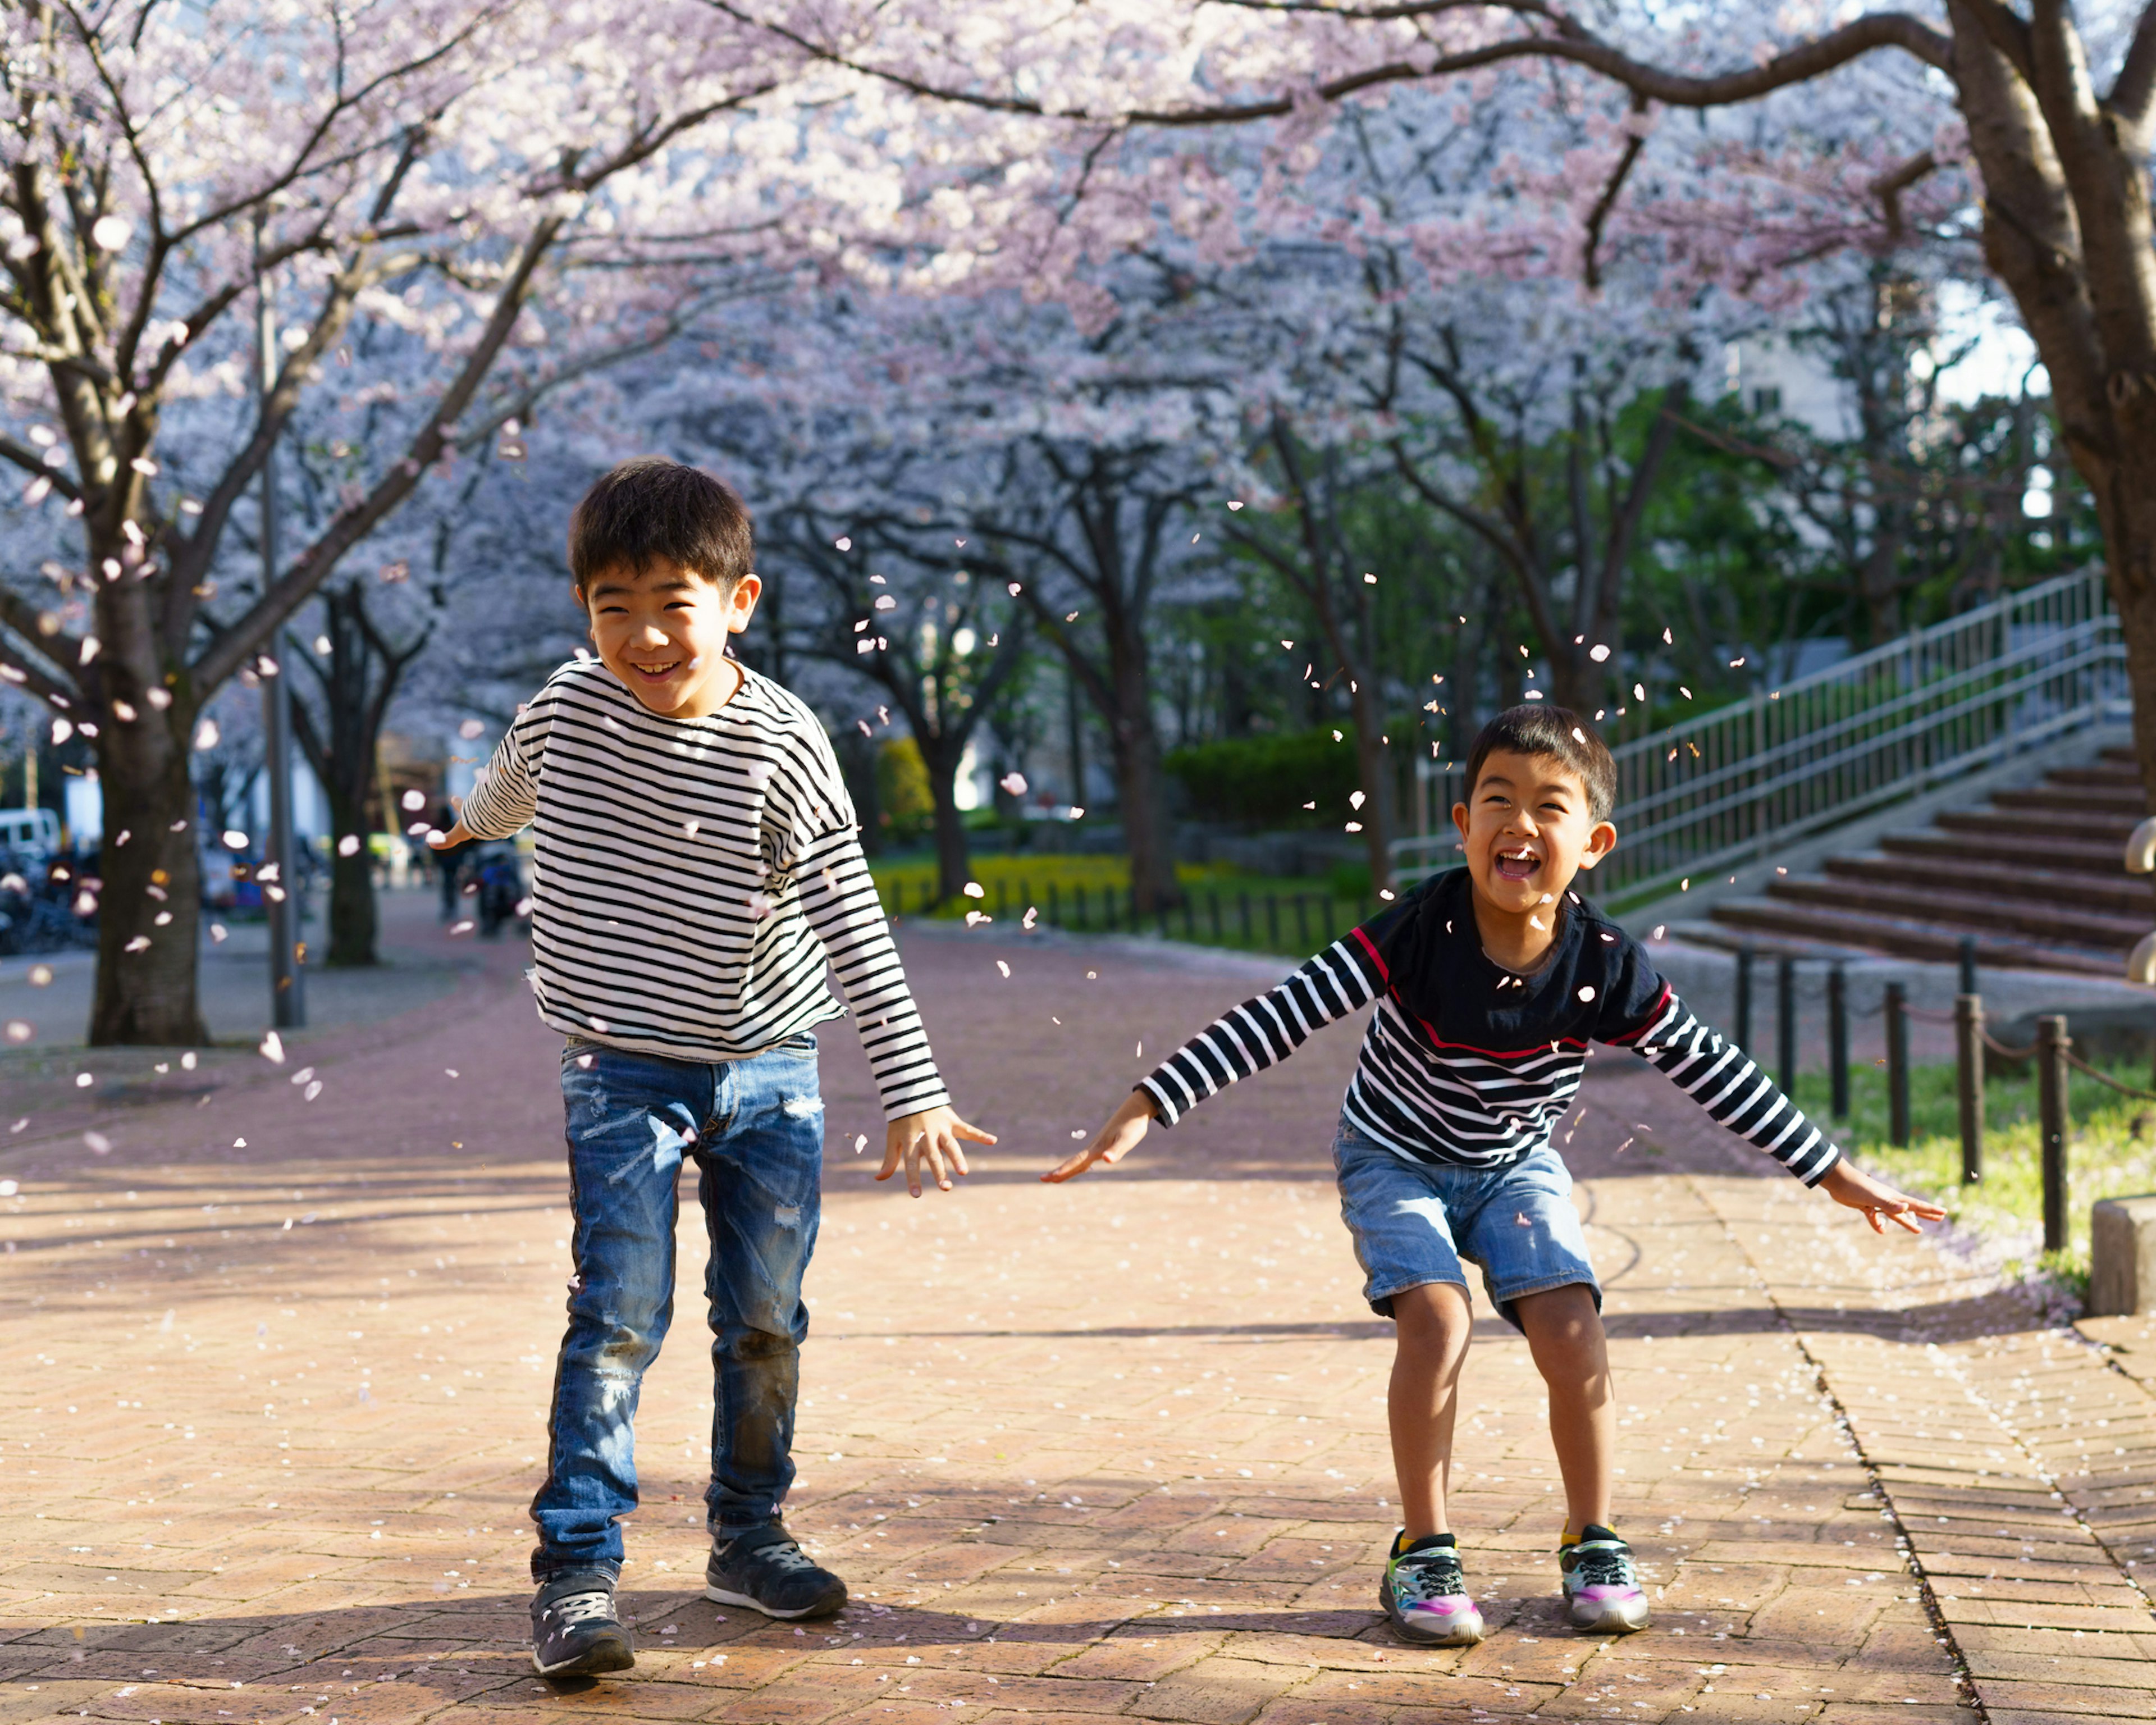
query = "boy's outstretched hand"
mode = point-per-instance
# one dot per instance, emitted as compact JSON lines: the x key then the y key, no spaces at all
{"x":930,"y":1136}
{"x":1112,"y":1142}
{"x":1845,"y":1183}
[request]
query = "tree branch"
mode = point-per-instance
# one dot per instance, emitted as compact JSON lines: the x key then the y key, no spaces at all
{"x":2130,"y":96}
{"x":313,"y":565}
{"x":1591,"y":269}
{"x":33,"y":461}
{"x":1889,"y":186}
{"x":1571,"y":43}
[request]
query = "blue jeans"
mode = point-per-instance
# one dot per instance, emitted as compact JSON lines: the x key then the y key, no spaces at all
{"x":1414,"y":1222}
{"x":755,"y":1129}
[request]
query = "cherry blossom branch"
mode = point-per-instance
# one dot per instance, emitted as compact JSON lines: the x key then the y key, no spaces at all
{"x":42,"y":680}
{"x":17,"y":671}
{"x":1572,"y":42}
{"x":1889,"y":186}
{"x":289,"y":590}
{"x":1607,"y":202}
{"x":2135,"y":88}
{"x":27,"y":458}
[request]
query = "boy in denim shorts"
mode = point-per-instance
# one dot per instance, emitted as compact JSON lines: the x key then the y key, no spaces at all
{"x":697,"y":866}
{"x":1490,"y":981}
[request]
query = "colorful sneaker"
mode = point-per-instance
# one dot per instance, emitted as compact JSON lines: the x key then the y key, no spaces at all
{"x":1425,"y":1595}
{"x":767,"y":1571}
{"x":1601,"y":1594}
{"x":576,"y":1631}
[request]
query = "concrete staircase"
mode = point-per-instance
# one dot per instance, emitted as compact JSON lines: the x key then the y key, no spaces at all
{"x":2036,"y":875}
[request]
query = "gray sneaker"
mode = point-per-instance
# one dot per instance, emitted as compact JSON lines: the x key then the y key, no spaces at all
{"x":576,"y":1631}
{"x":767,"y":1571}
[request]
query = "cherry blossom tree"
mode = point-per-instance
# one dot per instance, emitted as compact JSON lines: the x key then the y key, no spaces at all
{"x":2030,"y":125}
{"x":445,"y":207}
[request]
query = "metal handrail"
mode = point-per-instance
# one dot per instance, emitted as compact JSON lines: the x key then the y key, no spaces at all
{"x":1726,"y":786}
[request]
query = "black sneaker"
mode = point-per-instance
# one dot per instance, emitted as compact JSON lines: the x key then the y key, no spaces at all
{"x":767,"y":1571}
{"x":575,"y":1632}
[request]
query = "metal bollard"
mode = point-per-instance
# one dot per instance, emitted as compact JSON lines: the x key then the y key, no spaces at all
{"x":1897,"y":1014}
{"x":1837,"y":1037}
{"x":1785,"y":1021}
{"x":2052,"y":1044}
{"x":1969,"y":964}
{"x":1744,"y":957}
{"x":1969,"y":1083}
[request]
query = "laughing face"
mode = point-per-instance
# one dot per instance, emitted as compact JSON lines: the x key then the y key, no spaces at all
{"x":663,"y":632}
{"x":1528,"y":829}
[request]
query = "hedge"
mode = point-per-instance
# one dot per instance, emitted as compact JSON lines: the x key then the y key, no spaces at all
{"x":1263,"y":782}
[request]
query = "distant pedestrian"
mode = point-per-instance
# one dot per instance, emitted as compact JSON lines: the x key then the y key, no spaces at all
{"x":1491,"y":981}
{"x":697,"y":864}
{"x":449,"y":860}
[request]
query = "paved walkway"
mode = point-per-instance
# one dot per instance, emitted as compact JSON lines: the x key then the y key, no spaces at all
{"x":1109,"y":1452}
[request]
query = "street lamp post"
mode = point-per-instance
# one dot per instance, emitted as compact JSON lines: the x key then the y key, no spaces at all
{"x":280,"y":891}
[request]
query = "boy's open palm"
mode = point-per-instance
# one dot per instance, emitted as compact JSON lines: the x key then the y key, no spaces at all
{"x":1112,"y":1142}
{"x":1847,"y":1185}
{"x":930,"y":1138}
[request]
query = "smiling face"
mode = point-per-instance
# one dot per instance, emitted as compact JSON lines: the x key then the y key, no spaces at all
{"x":663,"y":632}
{"x":1529,"y":827}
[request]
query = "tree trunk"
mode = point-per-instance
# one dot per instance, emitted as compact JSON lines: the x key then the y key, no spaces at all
{"x":1141,"y":786}
{"x":1374,"y":766}
{"x":2128,"y":515}
{"x":146,"y":968}
{"x":352,"y":919}
{"x":954,"y":862}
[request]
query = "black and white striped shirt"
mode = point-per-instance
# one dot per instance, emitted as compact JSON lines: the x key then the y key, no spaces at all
{"x":1467,"y":1063}
{"x":692,"y":875}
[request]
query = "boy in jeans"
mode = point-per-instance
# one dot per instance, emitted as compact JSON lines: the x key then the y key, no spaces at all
{"x":697,"y":864}
{"x":1491,"y":981}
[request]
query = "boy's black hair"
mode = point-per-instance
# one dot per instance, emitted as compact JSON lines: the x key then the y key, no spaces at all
{"x":1556,"y":733}
{"x":649,"y":507}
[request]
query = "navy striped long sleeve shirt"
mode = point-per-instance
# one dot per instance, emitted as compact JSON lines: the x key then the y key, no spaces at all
{"x":1468,"y":1064}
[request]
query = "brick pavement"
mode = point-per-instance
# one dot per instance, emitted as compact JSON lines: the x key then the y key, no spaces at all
{"x":1109,"y":1452}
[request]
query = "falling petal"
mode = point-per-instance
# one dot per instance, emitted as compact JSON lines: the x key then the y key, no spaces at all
{"x":272,"y":1047}
{"x":348,"y":845}
{"x":100,"y":1145}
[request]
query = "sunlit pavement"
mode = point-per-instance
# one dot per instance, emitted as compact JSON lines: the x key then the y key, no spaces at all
{"x":1114,"y":1449}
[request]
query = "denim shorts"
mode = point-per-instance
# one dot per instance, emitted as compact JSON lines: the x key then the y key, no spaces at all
{"x":1414,"y":1222}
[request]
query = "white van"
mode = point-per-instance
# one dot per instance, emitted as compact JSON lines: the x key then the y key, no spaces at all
{"x":29,"y":829}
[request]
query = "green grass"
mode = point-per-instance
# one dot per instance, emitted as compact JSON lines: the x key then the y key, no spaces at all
{"x":1052,"y":883}
{"x":2111,"y":1151}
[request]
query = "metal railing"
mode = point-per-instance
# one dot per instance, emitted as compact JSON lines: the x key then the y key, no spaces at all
{"x":1723,"y":789}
